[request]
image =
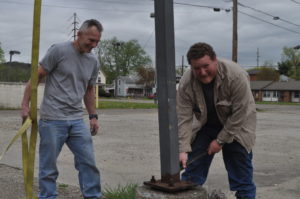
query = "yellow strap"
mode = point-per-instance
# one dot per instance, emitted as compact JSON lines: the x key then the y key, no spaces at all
{"x":22,"y":130}
{"x":29,"y":152}
{"x":25,"y":156}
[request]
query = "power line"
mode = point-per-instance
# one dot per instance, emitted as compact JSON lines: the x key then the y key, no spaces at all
{"x":203,"y":6}
{"x":295,"y":1}
{"x":265,"y":13}
{"x":147,"y":41}
{"x":79,"y":8}
{"x":269,"y":22}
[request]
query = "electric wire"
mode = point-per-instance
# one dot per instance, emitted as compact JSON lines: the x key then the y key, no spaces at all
{"x":148,"y":39}
{"x":295,"y":1}
{"x":257,"y":18}
{"x":265,"y":13}
{"x":79,"y":8}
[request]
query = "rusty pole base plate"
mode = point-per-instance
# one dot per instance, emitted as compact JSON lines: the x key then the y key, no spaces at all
{"x":174,"y":187}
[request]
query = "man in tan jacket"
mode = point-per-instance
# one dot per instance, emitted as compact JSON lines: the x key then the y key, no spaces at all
{"x":216,"y":111}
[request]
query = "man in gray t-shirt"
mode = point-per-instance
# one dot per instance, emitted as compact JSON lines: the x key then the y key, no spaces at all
{"x":71,"y":71}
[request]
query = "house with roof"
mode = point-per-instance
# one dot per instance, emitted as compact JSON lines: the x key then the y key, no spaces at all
{"x":257,"y":88}
{"x":101,"y":80}
{"x":287,"y":91}
{"x":128,"y":86}
{"x":276,"y":91}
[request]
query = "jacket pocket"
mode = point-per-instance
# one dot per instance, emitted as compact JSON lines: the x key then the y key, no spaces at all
{"x":224,"y":108}
{"x":197,"y":112}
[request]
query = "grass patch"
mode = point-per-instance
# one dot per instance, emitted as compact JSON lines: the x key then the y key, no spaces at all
{"x":125,"y":105}
{"x":8,"y":109}
{"x":126,"y":192}
{"x":63,"y":186}
{"x":260,"y":110}
{"x":280,"y":103}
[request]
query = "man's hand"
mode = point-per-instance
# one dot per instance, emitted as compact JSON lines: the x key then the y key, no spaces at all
{"x":25,"y":112}
{"x":214,"y":147}
{"x":183,"y":157}
{"x":94,"y":126}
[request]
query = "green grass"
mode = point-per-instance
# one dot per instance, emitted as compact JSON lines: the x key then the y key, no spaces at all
{"x":126,"y":192}
{"x":280,"y":103}
{"x":125,"y":105}
{"x":63,"y":186}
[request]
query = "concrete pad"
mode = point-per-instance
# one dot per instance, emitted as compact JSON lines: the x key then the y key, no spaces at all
{"x":144,"y":192}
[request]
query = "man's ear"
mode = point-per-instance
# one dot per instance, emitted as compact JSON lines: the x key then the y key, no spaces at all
{"x":79,"y":33}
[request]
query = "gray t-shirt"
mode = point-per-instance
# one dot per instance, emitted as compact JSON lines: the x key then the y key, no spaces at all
{"x":69,"y":74}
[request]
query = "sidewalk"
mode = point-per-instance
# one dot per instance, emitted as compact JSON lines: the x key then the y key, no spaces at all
{"x":12,"y":187}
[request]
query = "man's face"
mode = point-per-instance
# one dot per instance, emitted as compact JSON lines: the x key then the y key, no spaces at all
{"x":88,"y":40}
{"x":205,"y":69}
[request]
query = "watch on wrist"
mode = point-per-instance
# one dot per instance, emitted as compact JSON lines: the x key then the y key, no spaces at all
{"x":91,"y":116}
{"x":221,"y":143}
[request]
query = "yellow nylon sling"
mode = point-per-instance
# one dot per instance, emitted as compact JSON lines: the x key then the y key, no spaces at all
{"x":29,"y":150}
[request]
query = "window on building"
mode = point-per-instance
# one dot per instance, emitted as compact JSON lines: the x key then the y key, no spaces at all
{"x":267,"y":94}
{"x":296,"y":94}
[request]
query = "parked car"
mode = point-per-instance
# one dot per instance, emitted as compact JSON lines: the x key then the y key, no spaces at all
{"x":152,"y":96}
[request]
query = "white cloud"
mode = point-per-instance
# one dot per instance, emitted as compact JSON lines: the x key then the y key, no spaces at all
{"x":130,"y":19}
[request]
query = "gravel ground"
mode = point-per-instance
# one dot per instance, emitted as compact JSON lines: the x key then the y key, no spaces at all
{"x":127,"y":151}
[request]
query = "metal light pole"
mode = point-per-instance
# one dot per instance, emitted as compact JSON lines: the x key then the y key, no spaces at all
{"x":12,"y":52}
{"x":166,"y":92}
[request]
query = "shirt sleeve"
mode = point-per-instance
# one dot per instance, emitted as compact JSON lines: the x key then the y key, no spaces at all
{"x":49,"y":61}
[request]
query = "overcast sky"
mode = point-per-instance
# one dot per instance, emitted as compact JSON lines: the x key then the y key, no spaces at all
{"x":130,"y":19}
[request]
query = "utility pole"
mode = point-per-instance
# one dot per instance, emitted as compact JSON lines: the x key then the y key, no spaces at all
{"x":117,"y":46}
{"x":257,"y":57}
{"x":234,"y":31}
{"x":74,"y":25}
{"x":182,"y":65}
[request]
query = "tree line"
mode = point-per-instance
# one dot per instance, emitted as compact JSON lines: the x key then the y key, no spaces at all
{"x":125,"y":58}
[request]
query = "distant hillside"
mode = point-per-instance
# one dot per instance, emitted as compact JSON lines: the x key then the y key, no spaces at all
{"x":15,"y":72}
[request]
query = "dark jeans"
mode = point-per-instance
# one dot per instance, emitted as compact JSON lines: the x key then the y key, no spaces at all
{"x":238,"y":163}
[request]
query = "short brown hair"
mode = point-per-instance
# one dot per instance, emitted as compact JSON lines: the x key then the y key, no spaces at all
{"x":199,"y":50}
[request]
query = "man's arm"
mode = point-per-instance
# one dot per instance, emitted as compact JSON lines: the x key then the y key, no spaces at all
{"x":27,"y":93}
{"x":89,"y":101}
{"x":242,"y":101}
{"x":184,"y":109}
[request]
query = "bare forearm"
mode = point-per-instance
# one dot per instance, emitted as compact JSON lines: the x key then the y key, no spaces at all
{"x":27,"y":94}
{"x":89,"y":100}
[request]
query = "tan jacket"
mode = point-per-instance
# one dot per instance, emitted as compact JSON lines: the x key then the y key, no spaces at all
{"x":234,"y":104}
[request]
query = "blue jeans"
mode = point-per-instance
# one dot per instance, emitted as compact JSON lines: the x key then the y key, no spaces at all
{"x":238,"y":163}
{"x":53,"y":135}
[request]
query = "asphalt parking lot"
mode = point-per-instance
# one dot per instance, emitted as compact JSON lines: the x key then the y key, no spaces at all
{"x":127,"y":150}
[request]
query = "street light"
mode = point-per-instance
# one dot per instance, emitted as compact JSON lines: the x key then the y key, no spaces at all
{"x":12,"y":52}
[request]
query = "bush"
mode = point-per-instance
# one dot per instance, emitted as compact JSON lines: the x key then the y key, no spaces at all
{"x":103,"y":93}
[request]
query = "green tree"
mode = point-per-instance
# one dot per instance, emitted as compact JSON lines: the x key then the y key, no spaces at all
{"x":2,"y":55}
{"x":284,"y":67}
{"x":146,"y":76}
{"x":290,"y":61}
{"x":267,"y":74}
{"x":119,"y":58}
{"x":14,"y":72}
